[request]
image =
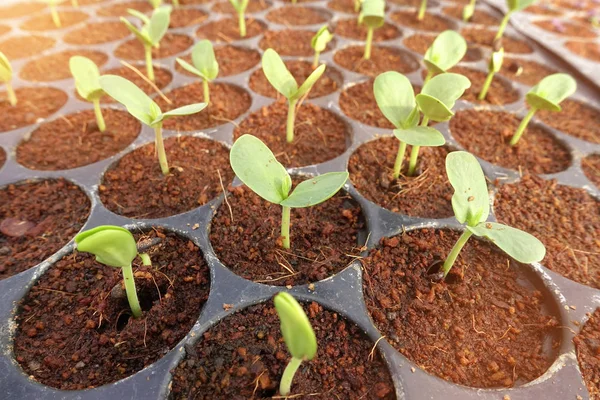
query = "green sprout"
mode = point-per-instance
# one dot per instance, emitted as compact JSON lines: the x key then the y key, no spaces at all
{"x":256,"y":166}
{"x":357,"y":5}
{"x":513,"y":6}
{"x":152,"y":31}
{"x":373,"y":16}
{"x":319,"y":43}
{"x":471,"y":206}
{"x":6,"y":73}
{"x":142,"y":107}
{"x":546,"y":95}
{"x":115,"y":247}
{"x":87,"y":83}
{"x":448,"y":48}
{"x":75,"y":3}
{"x":468,"y":10}
{"x":155,"y":3}
{"x":53,"y":11}
{"x":422,"y":9}
{"x":240,"y":7}
{"x":298,"y":335}
{"x":283,"y":81}
{"x":494,"y":66}
{"x":205,"y":65}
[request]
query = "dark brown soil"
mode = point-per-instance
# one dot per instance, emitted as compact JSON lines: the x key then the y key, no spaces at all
{"x":323,"y":238}
{"x":98,"y":32}
{"x":295,"y":15}
{"x":485,"y":326}
{"x":591,"y":168}
{"x":586,"y":344}
{"x":225,"y":7}
{"x":54,"y":67}
{"x":120,"y":9}
{"x":232,"y":60}
{"x":382,"y":59}
{"x":252,"y":355}
{"x":20,"y":9}
{"x":227,"y":30}
{"x":574,"y":5}
{"x":485,"y":38}
{"x":565,"y":219}
{"x":187,"y":17}
{"x":487,"y":135}
{"x":227,"y":102}
{"x":32,"y":103}
{"x":524,"y":71}
{"x":136,"y":188}
{"x":431,"y":22}
{"x":566,"y":29}
{"x":421,"y":42}
{"x":543,"y":9}
{"x":55,"y":210}
{"x":319,"y":134}
{"x":162,"y":78}
{"x":500,"y":91}
{"x":2,"y":157}
{"x":587,"y":50}
{"x":170,"y":45}
{"x":74,"y":140}
{"x":290,"y":42}
{"x":426,"y":195}
{"x":25,"y":46}
{"x":346,"y":6}
{"x":350,"y":28}
{"x":479,"y":16}
{"x":44,"y":22}
{"x":74,"y":329}
{"x":328,"y":83}
{"x":575,"y":119}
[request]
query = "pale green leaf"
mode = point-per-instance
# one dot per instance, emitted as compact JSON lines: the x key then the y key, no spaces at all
{"x":448,"y":48}
{"x":135,"y":13}
{"x":203,"y":58}
{"x":420,"y":136}
{"x":185,"y":110}
{"x":520,"y":245}
{"x":5,"y":69}
{"x":518,"y":5}
{"x":550,"y":91}
{"x":277,"y":74}
{"x":112,"y":245}
{"x":137,"y":102}
{"x":155,"y":3}
{"x":296,"y":330}
{"x":468,"y":12}
{"x":321,"y":39}
{"x":470,"y":201}
{"x":396,"y":99}
{"x":316,"y":190}
{"x":239,"y":5}
{"x":433,"y":108}
{"x":140,"y":34}
{"x":159,"y":24}
{"x":446,"y":88}
{"x":309,"y":82}
{"x":496,"y":60}
{"x":190,"y":68}
{"x":373,"y":13}
{"x":87,"y":77}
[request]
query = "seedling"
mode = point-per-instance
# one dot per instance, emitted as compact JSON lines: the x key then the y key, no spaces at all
{"x":53,"y":11}
{"x":142,"y":107}
{"x":468,"y":10}
{"x":373,"y":16}
{"x":283,"y":81}
{"x":546,"y":95}
{"x":87,"y":83}
{"x":155,"y":3}
{"x":319,"y":43}
{"x":115,"y":247}
{"x":357,"y":5}
{"x":422,"y":10}
{"x":298,"y":335}
{"x":205,"y":65}
{"x":471,"y":206}
{"x":6,"y":77}
{"x":494,"y":66}
{"x":448,"y":48}
{"x":152,"y":31}
{"x":240,"y":7}
{"x":513,"y":6}
{"x":257,"y":168}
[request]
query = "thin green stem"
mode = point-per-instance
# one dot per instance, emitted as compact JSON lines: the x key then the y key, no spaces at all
{"x":503,"y":25}
{"x":75,"y":3}
{"x":99,"y":117}
{"x":316,"y":59}
{"x":357,"y":5}
{"x":10,"y":93}
{"x":206,"y":90}
{"x":486,"y":85}
{"x":132,"y":297}
{"x":291,"y":117}
{"x":414,"y":153}
{"x":422,"y":9}
{"x":522,"y":126}
{"x":55,"y":16}
{"x":176,"y":3}
{"x":462,"y":240}
{"x":288,"y":376}
{"x":242,"y":24}
{"x":285,"y":227}
{"x":149,"y":67}
{"x":368,"y":44}
{"x":399,"y":158}
{"x":160,"y":149}
{"x":471,"y":5}
{"x":428,"y":77}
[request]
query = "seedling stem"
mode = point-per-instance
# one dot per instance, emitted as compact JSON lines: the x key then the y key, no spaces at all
{"x":316,"y":59}
{"x":10,"y":93}
{"x":428,"y":77}
{"x":242,"y":23}
{"x":55,"y":16}
{"x":132,"y":297}
{"x":149,"y":67}
{"x":288,"y":375}
{"x":160,"y":149}
{"x":522,"y":126}
{"x":502,"y":26}
{"x":99,"y":117}
{"x":486,"y":85}
{"x":399,"y":158}
{"x":414,"y":153}
{"x":368,"y":44}
{"x":455,"y":251}
{"x":206,"y":91}
{"x":290,"y":120}
{"x":285,"y":235}
{"x":422,"y":9}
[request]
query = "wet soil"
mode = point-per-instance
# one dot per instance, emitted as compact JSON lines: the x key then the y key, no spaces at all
{"x":25,"y":46}
{"x":289,"y":42}
{"x":170,"y":45}
{"x":297,"y":16}
{"x":232,"y":60}
{"x":382,"y":59}
{"x":54,"y":67}
{"x":524,"y":71}
{"x":575,"y":119}
{"x":33,"y":103}
{"x":96,"y":33}
{"x":227,"y":30}
{"x":349,"y":28}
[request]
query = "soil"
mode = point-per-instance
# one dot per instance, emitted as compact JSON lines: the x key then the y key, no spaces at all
{"x":586,"y":344}
{"x":20,"y":10}
{"x":227,"y":30}
{"x":485,"y":38}
{"x":120,"y":9}
{"x":564,"y":218}
{"x":349,"y":28}
{"x":74,"y":140}
{"x":189,"y":2}
{"x":346,"y":6}
{"x":53,"y":210}
{"x":500,"y":92}
{"x":426,"y":195}
{"x":225,"y":7}
{"x":44,"y":22}
{"x":382,"y":59}
{"x":415,"y":3}
{"x":319,"y":134}
{"x":524,"y":71}
{"x":232,"y":60}
{"x":252,"y":355}
{"x":54,"y":67}
{"x":431,"y":22}
{"x":328,"y":83}
{"x":135,"y":187}
{"x":33,"y":103}
{"x":479,"y":16}
{"x":543,"y":9}
{"x":587,"y":50}
{"x":591,"y":168}
{"x":4,"y":29}
{"x":227,"y":102}
{"x":290,"y":42}
{"x":485,"y":326}
{"x":162,"y":78}
{"x":187,"y":17}
{"x":421,"y":42}
{"x":96,"y":33}
{"x":575,"y":119}
{"x":487,"y":135}
{"x":566,"y":29}
{"x":74,"y":328}
{"x":2,"y":157}
{"x":25,"y":46}
{"x":324,"y":239}
{"x":296,"y":15}
{"x":170,"y":45}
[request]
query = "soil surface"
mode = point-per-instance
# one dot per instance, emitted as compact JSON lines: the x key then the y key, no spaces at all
{"x":187,"y":17}
{"x":323,"y":238}
{"x":487,"y":134}
{"x":564,"y":28}
{"x":426,"y":195}
{"x":37,"y":218}
{"x":575,"y":119}
{"x":170,"y":45}
{"x":346,"y":6}
{"x":227,"y":30}
{"x":232,"y":60}
{"x":479,"y":16}
{"x":484,"y":37}
{"x":524,"y":71}
{"x":2,"y":157}
{"x":543,"y":9}
{"x":54,"y":67}
{"x":32,"y":103}
{"x":565,"y":219}
{"x":499,"y":93}
{"x":120,"y":9}
{"x":74,"y":140}
{"x":485,"y":326}
{"x":45,"y":22}
{"x":415,"y":3}
{"x":20,"y":9}
{"x":294,"y":16}
{"x":96,"y":33}
{"x":162,"y":78}
{"x":382,"y":59}
{"x":74,"y":327}
{"x":25,"y":46}
{"x":319,"y":134}
{"x":4,"y":29}
{"x":328,"y":83}
{"x":587,"y":346}
{"x":227,"y":102}
{"x":225,"y":7}
{"x":289,"y":42}
{"x":421,"y":42}
{"x":591,"y":168}
{"x":431,"y":22}
{"x":587,"y":50}
{"x":252,"y":356}
{"x":135,"y":187}
{"x":349,"y":28}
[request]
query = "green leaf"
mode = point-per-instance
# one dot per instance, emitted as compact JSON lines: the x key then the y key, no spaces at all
{"x":496,"y":60}
{"x":112,"y":245}
{"x":310,"y":81}
{"x":470,"y":201}
{"x":396,"y":99}
{"x":518,"y":5}
{"x":190,"y":68}
{"x":159,"y":24}
{"x":5,"y":69}
{"x":277,"y":74}
{"x":140,"y":34}
{"x":133,"y":98}
{"x":433,"y":108}
{"x":520,"y":245}
{"x":239,"y":5}
{"x":296,"y":330}
{"x":445,"y":52}
{"x":439,"y":95}
{"x":321,"y":38}
{"x":468,"y":12}
{"x":550,"y":91}
{"x":185,"y":110}
{"x":145,"y":20}
{"x":203,"y":58}
{"x":420,"y":136}
{"x":257,"y":168}
{"x":316,"y":190}
{"x":373,"y":13}
{"x":87,"y":77}
{"x":155,"y":3}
